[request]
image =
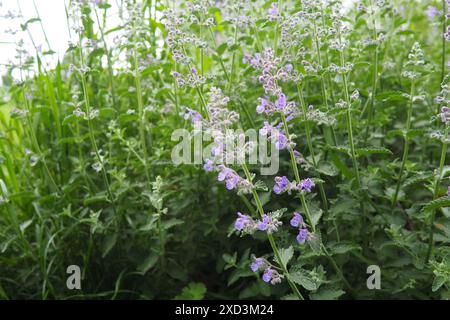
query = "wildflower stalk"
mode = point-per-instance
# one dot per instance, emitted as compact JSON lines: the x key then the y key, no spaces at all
{"x":443,"y":54}
{"x":406,"y":146}
{"x":108,"y":59}
{"x":435,"y":193}
{"x":137,"y":81}
{"x":327,"y":59}
{"x":91,"y":131}
{"x":228,"y":77}
{"x":35,"y":142}
{"x":375,"y":74}
{"x":349,"y":118}
{"x":309,"y":143}
{"x":270,"y":236}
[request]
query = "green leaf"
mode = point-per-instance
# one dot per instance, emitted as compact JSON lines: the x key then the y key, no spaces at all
{"x":327,"y":294}
{"x":30,"y":21}
{"x":304,"y":278}
{"x":342,"y":247}
{"x":193,"y":291}
{"x":437,"y":283}
{"x":437,"y":203}
{"x":372,"y":150}
{"x":286,"y":255}
{"x":327,"y":168}
{"x":109,"y":243}
{"x":148,"y":263}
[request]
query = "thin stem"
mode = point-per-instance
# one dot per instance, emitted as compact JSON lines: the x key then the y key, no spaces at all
{"x":108,"y":59}
{"x":91,"y":132}
{"x":270,"y":236}
{"x":436,"y":193}
{"x":406,"y":147}
{"x":137,"y":80}
{"x":375,"y":74}
{"x":443,"y":54}
{"x":309,"y":143}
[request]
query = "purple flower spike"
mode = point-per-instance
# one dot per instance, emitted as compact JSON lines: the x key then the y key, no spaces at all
{"x":302,"y":236}
{"x":297,"y":220}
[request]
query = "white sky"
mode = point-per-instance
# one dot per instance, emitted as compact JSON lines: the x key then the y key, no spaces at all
{"x":53,"y":18}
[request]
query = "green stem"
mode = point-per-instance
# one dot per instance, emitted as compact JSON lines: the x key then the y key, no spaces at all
{"x":444,"y":41}
{"x":270,"y":237}
{"x":108,"y":59}
{"x":309,"y":143}
{"x":137,"y":80}
{"x":349,"y":118}
{"x":436,"y":193}
{"x":91,"y":132}
{"x":406,"y":147}
{"x":375,"y":74}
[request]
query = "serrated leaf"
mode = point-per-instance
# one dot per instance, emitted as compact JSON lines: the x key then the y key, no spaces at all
{"x":372,"y":150}
{"x":341,"y":248}
{"x":416,"y":179}
{"x":286,"y":255}
{"x":438,"y":282}
{"x":327,"y":294}
{"x":327,"y":169}
{"x":303,"y":278}
{"x":193,"y":291}
{"x":109,"y":243}
{"x":437,"y":203}
{"x":148,"y":263}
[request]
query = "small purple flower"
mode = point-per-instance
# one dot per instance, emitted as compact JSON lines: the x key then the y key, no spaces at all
{"x":273,"y":10}
{"x":298,"y":157}
{"x":432,"y":12}
{"x":267,"y":276}
{"x":233,"y":180}
{"x":243,"y":222}
{"x":208,"y":166}
{"x":194,"y":71}
{"x":280,"y":104}
{"x":281,"y":184}
{"x":302,"y":236}
{"x":289,"y":67}
{"x":297,"y":220}
{"x":261,"y":107}
{"x":445,"y":115}
{"x":281,"y":141}
{"x":194,"y":115}
{"x":266,"y":129}
{"x":264,"y":224}
{"x":307,"y":185}
{"x":257,"y":264}
{"x":175,"y":74}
